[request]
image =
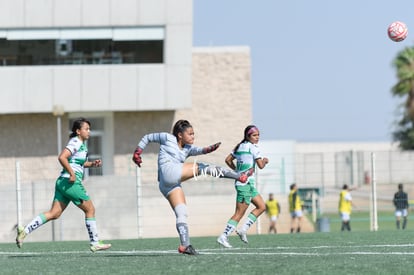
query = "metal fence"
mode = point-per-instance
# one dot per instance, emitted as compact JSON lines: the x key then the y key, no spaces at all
{"x":129,"y":205}
{"x":334,"y":169}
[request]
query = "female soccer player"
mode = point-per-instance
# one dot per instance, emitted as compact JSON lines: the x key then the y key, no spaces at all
{"x":73,"y":158}
{"x":247,"y":155}
{"x":272,"y":210}
{"x":175,"y":148}
{"x":295,"y":208}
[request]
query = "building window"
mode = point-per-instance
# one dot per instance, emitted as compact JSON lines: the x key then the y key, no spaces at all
{"x":95,"y":152}
{"x":31,"y":47}
{"x":75,"y":52}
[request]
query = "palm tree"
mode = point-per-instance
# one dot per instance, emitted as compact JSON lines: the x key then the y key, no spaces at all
{"x":404,"y":63}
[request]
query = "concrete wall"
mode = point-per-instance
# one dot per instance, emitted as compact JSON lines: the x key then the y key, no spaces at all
{"x":221,"y":98}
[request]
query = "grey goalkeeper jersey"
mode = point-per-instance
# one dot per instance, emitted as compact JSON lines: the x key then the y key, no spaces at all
{"x":169,"y":150}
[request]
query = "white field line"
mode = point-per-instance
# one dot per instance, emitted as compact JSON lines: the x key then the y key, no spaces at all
{"x":277,"y":250}
{"x":218,"y":252}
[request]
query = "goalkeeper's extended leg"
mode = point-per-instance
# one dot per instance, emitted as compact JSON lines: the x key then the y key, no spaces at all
{"x":221,"y":172}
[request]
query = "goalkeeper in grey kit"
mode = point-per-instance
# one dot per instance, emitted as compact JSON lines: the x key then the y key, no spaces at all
{"x":175,"y":148}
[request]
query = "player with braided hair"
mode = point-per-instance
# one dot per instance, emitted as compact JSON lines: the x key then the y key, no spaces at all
{"x":175,"y":148}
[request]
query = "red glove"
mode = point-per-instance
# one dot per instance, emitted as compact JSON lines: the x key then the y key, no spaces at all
{"x":136,"y":157}
{"x":211,"y":148}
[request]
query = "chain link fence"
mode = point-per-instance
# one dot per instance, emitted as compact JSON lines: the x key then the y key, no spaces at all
{"x":128,"y":206}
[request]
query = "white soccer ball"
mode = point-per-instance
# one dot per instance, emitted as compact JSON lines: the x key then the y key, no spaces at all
{"x":397,"y":31}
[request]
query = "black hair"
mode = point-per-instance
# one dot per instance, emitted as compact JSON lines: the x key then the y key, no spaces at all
{"x":292,"y":186}
{"x":180,"y":126}
{"x":77,"y":124}
{"x":400,"y":186}
{"x":345,"y":187}
{"x":245,"y":136}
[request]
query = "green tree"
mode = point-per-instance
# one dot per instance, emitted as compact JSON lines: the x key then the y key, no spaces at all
{"x":404,"y":63}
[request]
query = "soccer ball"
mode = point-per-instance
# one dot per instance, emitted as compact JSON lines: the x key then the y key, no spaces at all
{"x":397,"y":31}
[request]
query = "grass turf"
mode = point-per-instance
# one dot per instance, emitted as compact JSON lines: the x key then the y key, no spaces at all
{"x":360,"y":252}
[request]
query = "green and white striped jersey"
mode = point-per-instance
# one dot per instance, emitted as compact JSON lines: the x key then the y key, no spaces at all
{"x":246,"y":156}
{"x":78,"y":158}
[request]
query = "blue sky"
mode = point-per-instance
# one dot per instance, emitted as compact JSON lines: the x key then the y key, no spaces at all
{"x":321,"y":70}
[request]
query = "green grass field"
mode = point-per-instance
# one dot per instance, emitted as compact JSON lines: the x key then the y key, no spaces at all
{"x":360,"y":221}
{"x":359,"y":252}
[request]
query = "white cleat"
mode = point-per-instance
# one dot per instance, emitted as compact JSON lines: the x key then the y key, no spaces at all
{"x":224,"y":241}
{"x":100,"y":246}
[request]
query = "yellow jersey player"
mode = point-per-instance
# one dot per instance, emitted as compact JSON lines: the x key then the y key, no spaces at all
{"x":345,"y":207}
{"x":295,"y":208}
{"x":272,"y":210}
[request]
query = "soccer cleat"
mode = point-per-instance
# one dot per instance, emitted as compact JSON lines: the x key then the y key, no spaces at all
{"x":100,"y":246}
{"x":189,"y":250}
{"x":224,"y":241}
{"x":243,"y":236}
{"x":21,"y":234}
{"x":245,"y":175}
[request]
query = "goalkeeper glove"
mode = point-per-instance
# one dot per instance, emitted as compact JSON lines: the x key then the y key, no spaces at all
{"x":136,"y":157}
{"x":211,"y":148}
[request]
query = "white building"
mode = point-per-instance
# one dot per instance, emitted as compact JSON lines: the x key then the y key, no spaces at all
{"x":98,"y":58}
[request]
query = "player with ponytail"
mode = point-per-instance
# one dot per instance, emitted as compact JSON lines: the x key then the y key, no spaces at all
{"x":247,"y":155}
{"x":175,"y":148}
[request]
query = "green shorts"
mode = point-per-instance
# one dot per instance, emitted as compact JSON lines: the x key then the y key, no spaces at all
{"x":66,"y":191}
{"x":245,"y":193}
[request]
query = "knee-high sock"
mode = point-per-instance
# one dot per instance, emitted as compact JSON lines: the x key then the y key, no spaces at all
{"x":38,"y":221}
{"x":92,"y":230}
{"x":249,"y":221}
{"x":404,"y":223}
{"x":181,"y":224}
{"x":230,"y":227}
{"x":216,"y":171}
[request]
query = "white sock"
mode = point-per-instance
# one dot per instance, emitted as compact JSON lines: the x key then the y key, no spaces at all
{"x":230,"y":227}
{"x":92,"y":231}
{"x":181,"y":224}
{"x":249,"y":221}
{"x":35,"y":223}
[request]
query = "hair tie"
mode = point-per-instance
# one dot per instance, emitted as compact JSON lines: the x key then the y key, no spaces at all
{"x":253,"y":129}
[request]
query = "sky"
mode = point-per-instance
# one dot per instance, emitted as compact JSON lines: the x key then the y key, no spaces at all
{"x":321,"y":70}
